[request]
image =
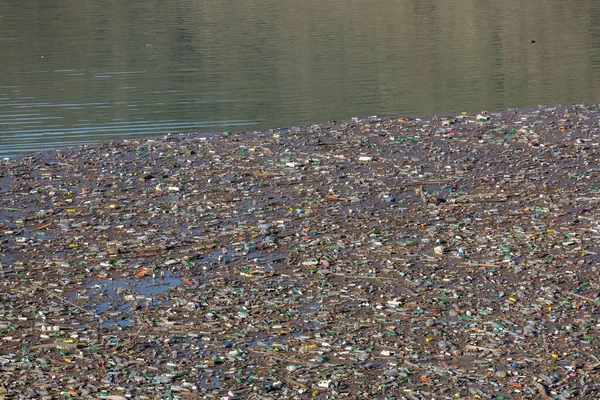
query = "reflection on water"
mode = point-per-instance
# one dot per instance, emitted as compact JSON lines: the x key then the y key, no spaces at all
{"x":79,"y":72}
{"x":115,"y":300}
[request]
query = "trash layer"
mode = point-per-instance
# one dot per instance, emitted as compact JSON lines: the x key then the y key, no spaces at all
{"x":443,"y":257}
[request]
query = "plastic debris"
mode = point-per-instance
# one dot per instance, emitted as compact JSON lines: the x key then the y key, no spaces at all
{"x":443,"y":257}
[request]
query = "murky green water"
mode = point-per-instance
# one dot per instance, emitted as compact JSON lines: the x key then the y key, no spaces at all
{"x":76,"y":71}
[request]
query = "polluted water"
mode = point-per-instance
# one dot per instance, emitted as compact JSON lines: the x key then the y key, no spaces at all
{"x":448,"y":257}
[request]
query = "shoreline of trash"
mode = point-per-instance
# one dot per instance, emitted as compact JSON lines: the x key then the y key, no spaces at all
{"x":441,"y":257}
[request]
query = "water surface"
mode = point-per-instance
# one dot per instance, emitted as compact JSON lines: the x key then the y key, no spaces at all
{"x":77,"y":72}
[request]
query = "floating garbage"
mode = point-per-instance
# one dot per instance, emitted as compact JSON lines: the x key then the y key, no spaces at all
{"x":442,"y":257}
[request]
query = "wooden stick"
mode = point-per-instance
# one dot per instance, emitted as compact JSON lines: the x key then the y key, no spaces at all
{"x":476,"y":264}
{"x":11,"y":209}
{"x":583,"y":297}
{"x":294,"y":382}
{"x":68,"y":346}
{"x":421,"y":183}
{"x":39,"y":228}
{"x":481,"y":348}
{"x":68,"y":302}
{"x":266,"y":175}
{"x":131,"y":340}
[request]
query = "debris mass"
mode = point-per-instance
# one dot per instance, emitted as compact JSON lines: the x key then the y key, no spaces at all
{"x":435,"y":258}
